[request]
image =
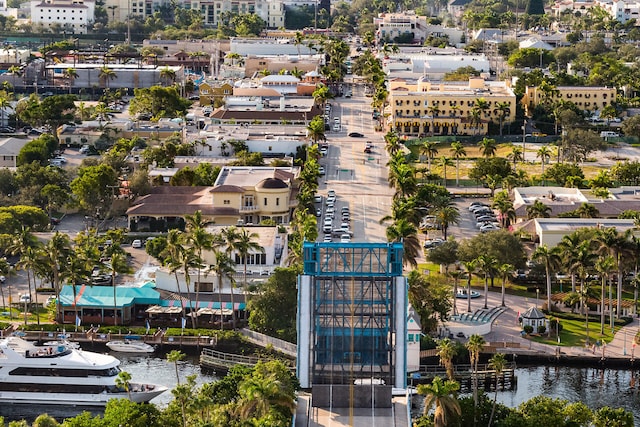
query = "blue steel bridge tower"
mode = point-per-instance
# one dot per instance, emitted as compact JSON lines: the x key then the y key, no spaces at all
{"x":352,"y":311}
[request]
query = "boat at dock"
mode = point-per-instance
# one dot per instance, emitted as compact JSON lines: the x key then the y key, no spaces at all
{"x":130,"y":346}
{"x":59,"y":374}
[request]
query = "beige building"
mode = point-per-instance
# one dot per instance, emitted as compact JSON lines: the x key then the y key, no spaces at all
{"x":448,"y":108}
{"x":586,"y":98}
{"x":74,"y":16}
{"x":240,"y":195}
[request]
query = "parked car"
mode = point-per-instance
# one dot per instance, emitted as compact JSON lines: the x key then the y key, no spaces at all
{"x":25,"y":298}
{"x":489,"y":227}
{"x":317,"y":198}
{"x":321,"y":170}
{"x":345,"y":238}
{"x":136,"y":244}
{"x":430,"y":244}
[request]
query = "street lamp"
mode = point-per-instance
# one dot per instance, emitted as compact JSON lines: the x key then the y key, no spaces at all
{"x":537,"y":296}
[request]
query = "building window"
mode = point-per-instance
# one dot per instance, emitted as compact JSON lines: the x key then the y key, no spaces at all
{"x":265,"y":201}
{"x":410,"y":338}
{"x":227,"y":202}
{"x":277,"y":201}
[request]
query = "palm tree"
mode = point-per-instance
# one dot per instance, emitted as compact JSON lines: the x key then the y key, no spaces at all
{"x":172,"y":253}
{"x":498,"y":363}
{"x":245,"y":245}
{"x":57,"y":249}
{"x":433,"y":111}
{"x":569,"y":245}
{"x":457,"y":151}
{"x":487,"y":265}
{"x":505,"y":270}
{"x":620,"y":247}
{"x":407,"y":233}
{"x":168,"y":75}
{"x":174,"y":356}
{"x":429,"y":150}
{"x":446,"y":352}
{"x":504,"y":108}
{"x":507,"y":212}
{"x":443,"y":162}
{"x":550,"y":258}
{"x":475,"y":346}
{"x":488,"y":147}
{"x":25,"y":245}
{"x":544,"y":153}
{"x":258,"y":394}
{"x":442,"y":395}
{"x":123,"y":381}
{"x":604,"y":266}
{"x":456,"y":274}
{"x":70,"y":74}
{"x":517,"y":155}
{"x":470,"y":267}
{"x":223,"y":267}
{"x":587,"y":210}
{"x":106,"y":75}
{"x":445,"y":216}
{"x":5,"y":270}
{"x":392,"y":143}
{"x":200,"y":239}
{"x":298,"y":39}
{"x":538,"y":210}
{"x":118,"y":265}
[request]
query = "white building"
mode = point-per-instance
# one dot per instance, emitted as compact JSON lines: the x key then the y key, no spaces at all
{"x":73,"y":15}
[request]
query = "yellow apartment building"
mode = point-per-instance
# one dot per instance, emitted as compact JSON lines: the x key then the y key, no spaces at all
{"x":447,"y":108}
{"x":587,"y":98}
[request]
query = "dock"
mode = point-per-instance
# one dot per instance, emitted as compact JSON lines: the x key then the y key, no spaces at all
{"x":464,"y":374}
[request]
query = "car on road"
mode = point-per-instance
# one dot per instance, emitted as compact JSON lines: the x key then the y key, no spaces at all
{"x":136,"y":244}
{"x":321,"y":170}
{"x":324,"y":151}
{"x":356,"y":135}
{"x":345,"y":238}
{"x":327,"y":238}
{"x":432,"y":243}
{"x":367,"y":150}
{"x":318,"y":212}
{"x":331,"y":193}
{"x":317,"y":198}
{"x":489,"y":227}
{"x":336,"y":127}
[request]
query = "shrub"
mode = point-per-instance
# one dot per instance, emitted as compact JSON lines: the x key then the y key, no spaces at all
{"x":542,"y":329}
{"x":528,"y":329}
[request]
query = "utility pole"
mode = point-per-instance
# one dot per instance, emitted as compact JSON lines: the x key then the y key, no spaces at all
{"x":129,"y":22}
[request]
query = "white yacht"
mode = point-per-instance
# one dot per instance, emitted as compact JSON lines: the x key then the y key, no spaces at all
{"x":130,"y":346}
{"x":61,"y":374}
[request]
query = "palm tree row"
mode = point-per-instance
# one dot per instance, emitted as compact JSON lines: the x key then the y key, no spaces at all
{"x":184,"y":251}
{"x":587,"y":253}
{"x":412,"y":201}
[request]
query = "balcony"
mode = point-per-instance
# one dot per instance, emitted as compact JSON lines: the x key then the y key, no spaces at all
{"x":250,"y":208}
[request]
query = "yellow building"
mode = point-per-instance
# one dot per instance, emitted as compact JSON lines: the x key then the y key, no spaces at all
{"x":584,"y":97}
{"x":240,"y":195}
{"x":447,"y":108}
{"x":210,"y":92}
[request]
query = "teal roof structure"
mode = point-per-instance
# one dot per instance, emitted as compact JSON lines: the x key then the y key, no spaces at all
{"x":102,"y":296}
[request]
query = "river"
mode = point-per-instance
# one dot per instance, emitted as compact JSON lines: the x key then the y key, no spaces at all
{"x":594,"y":387}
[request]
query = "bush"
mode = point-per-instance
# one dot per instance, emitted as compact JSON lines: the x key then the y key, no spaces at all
{"x":528,"y":329}
{"x":542,"y":329}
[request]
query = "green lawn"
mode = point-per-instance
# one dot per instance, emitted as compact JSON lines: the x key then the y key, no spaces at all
{"x":573,"y":333}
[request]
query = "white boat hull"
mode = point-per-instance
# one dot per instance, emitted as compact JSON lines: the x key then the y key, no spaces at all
{"x":75,"y":399}
{"x":126,"y":347}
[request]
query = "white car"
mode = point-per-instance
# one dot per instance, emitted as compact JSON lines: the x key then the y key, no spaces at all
{"x":327,"y":238}
{"x":345,"y":238}
{"x":25,"y":298}
{"x":489,"y":227}
{"x":331,"y":193}
{"x":324,"y":151}
{"x":321,"y":170}
{"x":336,"y":127}
{"x":136,"y":244}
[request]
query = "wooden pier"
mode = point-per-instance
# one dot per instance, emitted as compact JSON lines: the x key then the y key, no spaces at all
{"x":91,"y":337}
{"x":465,"y":375}
{"x":222,"y":362}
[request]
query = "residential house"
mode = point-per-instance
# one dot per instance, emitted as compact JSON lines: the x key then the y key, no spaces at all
{"x":449,"y":108}
{"x":407,"y":26}
{"x":9,"y":150}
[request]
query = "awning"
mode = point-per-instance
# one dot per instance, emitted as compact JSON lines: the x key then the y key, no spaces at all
{"x":156,"y":309}
{"x":214,"y":311}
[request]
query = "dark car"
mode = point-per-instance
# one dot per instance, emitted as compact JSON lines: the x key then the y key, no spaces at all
{"x":367,"y":150}
{"x":356,"y":135}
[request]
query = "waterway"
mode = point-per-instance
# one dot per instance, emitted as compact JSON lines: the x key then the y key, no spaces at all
{"x":595,"y":387}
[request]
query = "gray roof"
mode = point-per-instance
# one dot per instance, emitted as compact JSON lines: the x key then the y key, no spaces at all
{"x":11,"y":146}
{"x":533,"y":313}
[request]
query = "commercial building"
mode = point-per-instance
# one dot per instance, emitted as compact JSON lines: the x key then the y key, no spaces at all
{"x":587,"y":98}
{"x":74,"y":16}
{"x":550,"y":231}
{"x":414,"y":63}
{"x":449,"y":108}
{"x":247,"y":110}
{"x":561,"y":200}
{"x":240,"y":195}
{"x":408,"y":26}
